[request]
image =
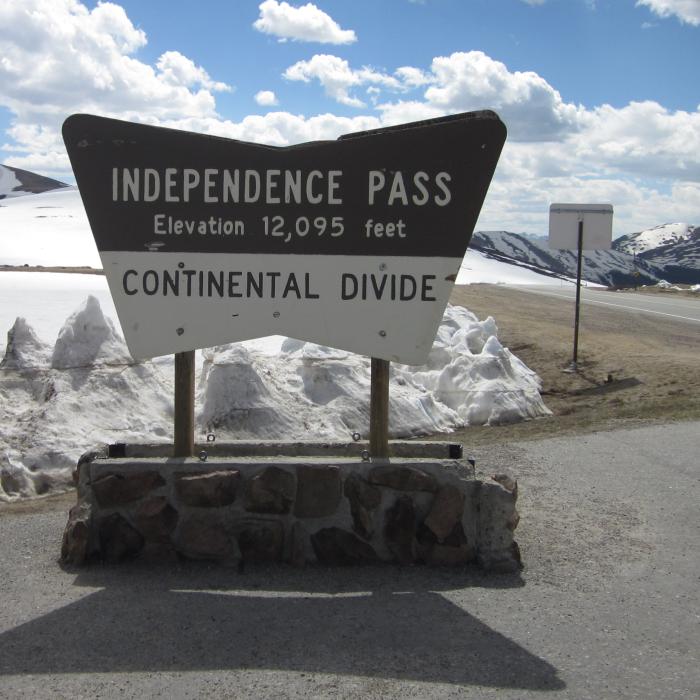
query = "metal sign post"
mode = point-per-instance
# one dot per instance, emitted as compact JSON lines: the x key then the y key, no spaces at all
{"x":567,"y":231}
{"x":574,"y":362}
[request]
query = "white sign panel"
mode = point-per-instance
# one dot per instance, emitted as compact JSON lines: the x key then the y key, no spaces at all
{"x":564,"y":226}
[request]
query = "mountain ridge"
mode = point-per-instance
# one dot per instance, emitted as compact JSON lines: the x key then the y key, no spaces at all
{"x":668,"y":252}
{"x":15,"y":182}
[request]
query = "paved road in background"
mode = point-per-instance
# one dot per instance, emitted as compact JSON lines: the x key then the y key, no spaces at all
{"x":680,"y":308}
{"x":608,"y":604}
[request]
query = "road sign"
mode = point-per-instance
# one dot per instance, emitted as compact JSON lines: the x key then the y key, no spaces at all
{"x":579,"y":227}
{"x":353,"y":243}
{"x":597,"y":226}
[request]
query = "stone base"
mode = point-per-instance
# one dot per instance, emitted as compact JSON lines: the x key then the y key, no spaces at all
{"x":292,"y":502}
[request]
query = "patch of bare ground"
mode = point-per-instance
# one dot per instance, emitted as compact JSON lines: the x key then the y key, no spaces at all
{"x":634,"y":368}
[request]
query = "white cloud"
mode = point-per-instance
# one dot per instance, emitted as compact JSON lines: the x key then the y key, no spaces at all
{"x":413,"y":77}
{"x":643,"y":138}
{"x":533,"y":109}
{"x":338,"y":78}
{"x":176,"y":69}
{"x":279,"y":128}
{"x":266,"y":98}
{"x":460,"y":82}
{"x":305,"y":23}
{"x":58,"y":58}
{"x":687,"y":11}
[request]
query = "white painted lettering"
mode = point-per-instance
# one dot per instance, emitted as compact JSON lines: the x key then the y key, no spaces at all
{"x":376,"y":183}
{"x":440,"y":180}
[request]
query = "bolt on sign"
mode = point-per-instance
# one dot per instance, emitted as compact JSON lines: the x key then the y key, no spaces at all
{"x":354,"y":243}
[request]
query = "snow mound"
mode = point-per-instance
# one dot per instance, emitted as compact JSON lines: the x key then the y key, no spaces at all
{"x":470,"y":372}
{"x":89,"y":338}
{"x":663,"y":284}
{"x":89,"y":392}
{"x":239,"y":397}
{"x":24,"y":349}
{"x":309,"y":391}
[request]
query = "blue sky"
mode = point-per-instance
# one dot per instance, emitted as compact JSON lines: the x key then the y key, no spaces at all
{"x":601,"y":97}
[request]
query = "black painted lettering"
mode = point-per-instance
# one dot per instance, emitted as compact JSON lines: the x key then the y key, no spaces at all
{"x":150,"y":282}
{"x":128,"y":291}
{"x":172,"y":282}
{"x":408,"y":287}
{"x":254,"y":284}
{"x":349,"y":286}
{"x":291,"y":286}
{"x":308,"y":294}
{"x":233,"y":284}
{"x":426,"y":287}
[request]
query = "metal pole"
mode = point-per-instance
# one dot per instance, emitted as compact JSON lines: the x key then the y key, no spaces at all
{"x":184,"y":404}
{"x":379,"y":409}
{"x":574,"y":364}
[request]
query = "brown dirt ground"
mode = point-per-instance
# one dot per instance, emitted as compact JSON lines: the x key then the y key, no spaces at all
{"x":653,"y":363}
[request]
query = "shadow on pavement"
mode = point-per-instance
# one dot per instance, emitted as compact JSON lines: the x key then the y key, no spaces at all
{"x":380,"y":622}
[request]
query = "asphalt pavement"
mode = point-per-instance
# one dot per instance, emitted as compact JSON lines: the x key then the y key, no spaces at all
{"x":681,"y":308}
{"x":607,"y":606}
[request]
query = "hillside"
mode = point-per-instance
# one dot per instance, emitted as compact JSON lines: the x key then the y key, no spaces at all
{"x":673,"y":247}
{"x":15,"y":182}
{"x":608,"y":267}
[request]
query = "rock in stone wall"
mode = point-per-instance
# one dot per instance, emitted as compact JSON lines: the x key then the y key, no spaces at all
{"x":292,"y":509}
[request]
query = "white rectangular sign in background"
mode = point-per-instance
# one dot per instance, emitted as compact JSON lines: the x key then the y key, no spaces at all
{"x":597,"y":226}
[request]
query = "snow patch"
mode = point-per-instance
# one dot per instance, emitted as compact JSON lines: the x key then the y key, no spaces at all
{"x":663,"y":284}
{"x":88,"y":391}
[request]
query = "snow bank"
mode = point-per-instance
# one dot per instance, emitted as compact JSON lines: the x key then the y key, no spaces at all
{"x":663,"y":284}
{"x":59,"y":402}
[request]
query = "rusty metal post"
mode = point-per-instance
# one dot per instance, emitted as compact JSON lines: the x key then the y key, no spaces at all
{"x":184,"y":404}
{"x":379,"y":409}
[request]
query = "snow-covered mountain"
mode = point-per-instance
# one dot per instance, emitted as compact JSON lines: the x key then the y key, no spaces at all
{"x":653,"y":238}
{"x":608,"y":267}
{"x":15,"y":182}
{"x":673,"y":247}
